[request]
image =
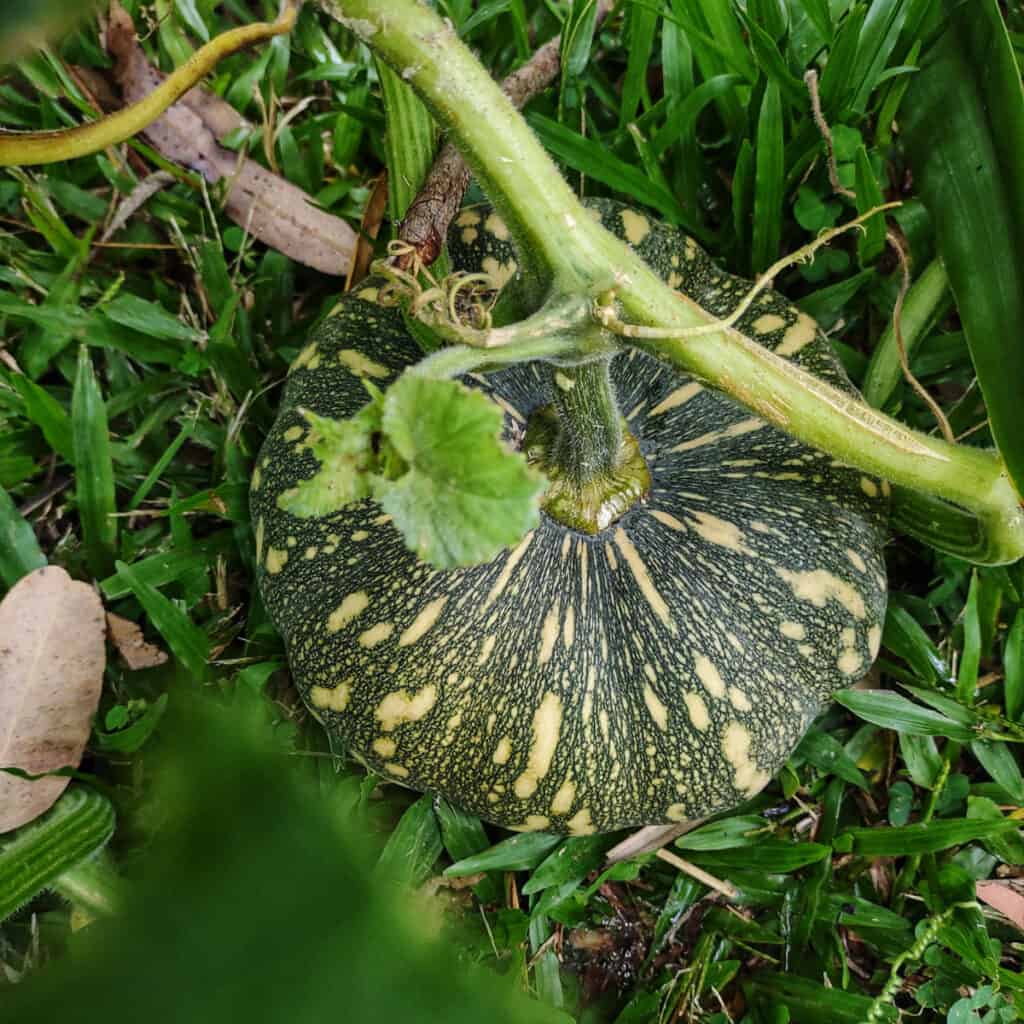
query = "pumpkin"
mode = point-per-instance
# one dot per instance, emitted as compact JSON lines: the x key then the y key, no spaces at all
{"x":656,"y":671}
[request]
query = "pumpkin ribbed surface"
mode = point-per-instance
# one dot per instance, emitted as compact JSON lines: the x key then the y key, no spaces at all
{"x":658,"y":671}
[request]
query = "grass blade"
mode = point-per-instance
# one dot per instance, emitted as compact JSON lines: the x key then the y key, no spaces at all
{"x":19,"y":549}
{"x":94,"y":469}
{"x":964,"y":132}
{"x":769,"y":181}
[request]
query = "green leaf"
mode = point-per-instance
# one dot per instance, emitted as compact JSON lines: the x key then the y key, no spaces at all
{"x":517,"y":853}
{"x":970,"y":657}
{"x":870,"y":242}
{"x":576,"y":857}
{"x":742,"y":830}
{"x":148,"y":318}
{"x":812,"y":1003}
{"x":643,"y":23}
{"x":465,"y":496}
{"x":924,"y":837}
{"x":1013,"y":662}
{"x":20,"y":553}
{"x":94,"y":470}
{"x":591,"y":158}
{"x":892,"y":711}
{"x":769,"y":181}
{"x":775,"y":856}
{"x":963,"y":126}
{"x":826,"y":753}
{"x":347,"y":461}
{"x":413,"y":848}
{"x":998,"y":760}
{"x":190,"y":644}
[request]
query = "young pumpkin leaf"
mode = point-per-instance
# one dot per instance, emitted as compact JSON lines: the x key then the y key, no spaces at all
{"x":963,"y":127}
{"x":51,"y":671}
{"x":465,"y":496}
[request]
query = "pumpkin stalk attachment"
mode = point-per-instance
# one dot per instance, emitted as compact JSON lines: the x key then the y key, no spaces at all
{"x":594,"y":466}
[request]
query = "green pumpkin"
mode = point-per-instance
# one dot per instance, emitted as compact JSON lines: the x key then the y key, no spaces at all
{"x":658,"y":671}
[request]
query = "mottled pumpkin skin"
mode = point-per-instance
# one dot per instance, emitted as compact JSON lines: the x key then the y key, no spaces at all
{"x":659,"y":671}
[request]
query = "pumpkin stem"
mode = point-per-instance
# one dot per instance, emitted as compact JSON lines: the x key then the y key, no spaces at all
{"x":595,"y":469}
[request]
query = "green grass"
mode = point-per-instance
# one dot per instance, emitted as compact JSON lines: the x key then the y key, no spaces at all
{"x":148,"y":373}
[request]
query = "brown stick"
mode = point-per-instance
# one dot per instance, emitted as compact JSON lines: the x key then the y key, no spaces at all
{"x":426,"y":222}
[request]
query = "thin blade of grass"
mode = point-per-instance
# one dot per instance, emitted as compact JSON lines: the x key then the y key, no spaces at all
{"x":769,"y":181}
{"x":20,"y":553}
{"x":94,"y":469}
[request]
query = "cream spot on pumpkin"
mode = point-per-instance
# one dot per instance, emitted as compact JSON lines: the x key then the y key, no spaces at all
{"x":367,"y":294}
{"x":384,"y":747}
{"x":562,"y":803}
{"x":548,"y":635}
{"x":305,"y":357}
{"x":360,"y":535}
{"x":506,"y":573}
{"x":709,"y":676}
{"x":668,"y":520}
{"x":353,"y":605}
{"x":497,"y":227}
{"x":499,"y":273}
{"x":714,"y":436}
{"x":276,"y":558}
{"x":698,"y":710}
{"x":533,"y":823}
{"x":792,"y":630}
{"x":874,"y":640}
{"x":376,"y":634}
{"x":768,"y":322}
{"x":657,"y":710}
{"x":720,"y":532}
{"x":468,"y":219}
{"x":856,"y":561}
{"x":396,"y":769}
{"x":503,"y":751}
{"x":569,"y":627}
{"x":749,"y":779}
{"x":260,"y":532}
{"x":635,"y":226}
{"x":849,"y":662}
{"x":486,"y":648}
{"x":310,"y":553}
{"x":360,"y":366}
{"x":643,"y":579}
{"x":679,"y":397}
{"x":401,"y":707}
{"x":580,"y":823}
{"x":423,"y":622}
{"x":676,"y":812}
{"x":257,"y":478}
{"x":819,"y":586}
{"x":469,"y":236}
{"x":331,"y":698}
{"x":869,"y":487}
{"x":799,"y":335}
{"x":738,"y":699}
{"x":293,"y":433}
{"x":547,"y":723}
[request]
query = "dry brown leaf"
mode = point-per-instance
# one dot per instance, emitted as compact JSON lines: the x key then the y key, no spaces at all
{"x":1006,"y":897}
{"x":52,"y":655}
{"x":127,"y":637}
{"x":266,"y":206}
